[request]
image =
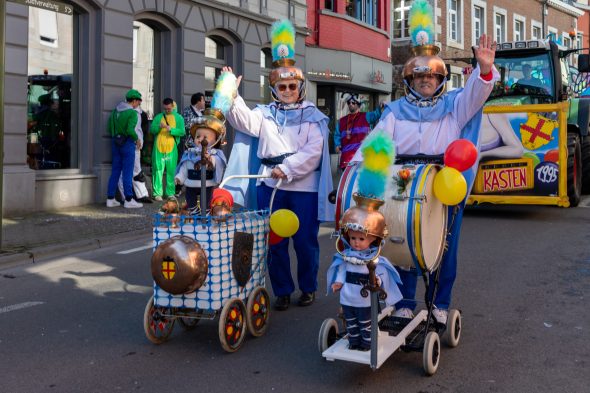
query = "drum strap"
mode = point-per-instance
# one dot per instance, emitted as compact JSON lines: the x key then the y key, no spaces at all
{"x":357,"y":278}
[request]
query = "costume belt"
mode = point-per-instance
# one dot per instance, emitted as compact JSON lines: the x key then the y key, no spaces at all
{"x":271,"y":162}
{"x":357,"y":278}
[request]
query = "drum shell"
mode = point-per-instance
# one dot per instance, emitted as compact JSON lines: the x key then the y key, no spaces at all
{"x":415,"y":219}
{"x":179,"y":265}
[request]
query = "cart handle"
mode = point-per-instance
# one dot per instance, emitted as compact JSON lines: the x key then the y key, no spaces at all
{"x":272,"y":197}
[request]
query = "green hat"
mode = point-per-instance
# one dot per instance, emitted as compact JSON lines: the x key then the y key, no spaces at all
{"x":133,"y":95}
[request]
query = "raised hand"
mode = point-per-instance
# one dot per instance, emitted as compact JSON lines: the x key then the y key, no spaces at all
{"x":229,"y":69}
{"x":485,"y":53}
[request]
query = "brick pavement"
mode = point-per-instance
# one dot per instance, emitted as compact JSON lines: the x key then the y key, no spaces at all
{"x":27,"y":233}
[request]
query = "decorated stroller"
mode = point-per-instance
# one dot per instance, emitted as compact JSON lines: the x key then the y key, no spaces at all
{"x":418,"y":223}
{"x":209,"y":266}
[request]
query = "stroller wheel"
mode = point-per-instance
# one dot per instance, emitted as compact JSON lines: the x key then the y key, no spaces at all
{"x":431,"y":353}
{"x":452,"y":334}
{"x":328,"y":334}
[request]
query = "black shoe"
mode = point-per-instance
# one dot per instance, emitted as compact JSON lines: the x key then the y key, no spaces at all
{"x":354,"y":347}
{"x":146,"y":200}
{"x":306,"y":299}
{"x":282,"y":302}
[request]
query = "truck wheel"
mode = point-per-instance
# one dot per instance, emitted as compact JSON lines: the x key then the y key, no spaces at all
{"x":586,"y":164}
{"x":574,"y":169}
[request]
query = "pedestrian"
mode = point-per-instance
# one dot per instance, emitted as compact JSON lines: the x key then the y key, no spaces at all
{"x":122,"y":125}
{"x":292,"y":136}
{"x":190,"y":115}
{"x":140,"y":192}
{"x":352,"y":128}
{"x":426,"y":121}
{"x":167,"y":127}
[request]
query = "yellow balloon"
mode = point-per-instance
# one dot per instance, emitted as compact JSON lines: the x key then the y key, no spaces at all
{"x":450,"y":186}
{"x":284,"y":223}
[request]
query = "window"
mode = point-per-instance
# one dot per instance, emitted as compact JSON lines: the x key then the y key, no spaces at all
{"x":291,"y":10}
{"x":536,"y":33}
{"x":479,"y":22}
{"x":552,"y":35}
{"x":567,"y":41}
{"x":218,"y":53}
{"x":213,"y":49}
{"x":401,"y":9}
{"x":500,"y":27}
{"x":455,"y":81}
{"x":519,"y":23}
{"x":363,"y":10}
{"x":454,"y":8}
{"x":265,"y":67}
{"x":579,"y":40}
{"x":329,"y":5}
{"x":263,"y":6}
{"x":52,"y":137}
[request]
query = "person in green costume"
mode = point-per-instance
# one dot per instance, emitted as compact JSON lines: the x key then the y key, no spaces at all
{"x":167,"y":128}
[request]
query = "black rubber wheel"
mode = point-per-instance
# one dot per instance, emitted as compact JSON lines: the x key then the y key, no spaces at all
{"x":574,"y":169}
{"x":586,"y":164}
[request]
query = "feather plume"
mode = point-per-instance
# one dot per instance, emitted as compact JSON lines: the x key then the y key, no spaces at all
{"x":225,"y":90}
{"x":421,"y":23}
{"x":378,"y":157}
{"x":282,"y":39}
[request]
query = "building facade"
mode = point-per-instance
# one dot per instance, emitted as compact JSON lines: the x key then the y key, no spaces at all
{"x":459,"y":23}
{"x":65,"y":73}
{"x":347,"y":50}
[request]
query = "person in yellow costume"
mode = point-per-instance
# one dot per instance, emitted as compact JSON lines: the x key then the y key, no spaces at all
{"x":167,"y":127}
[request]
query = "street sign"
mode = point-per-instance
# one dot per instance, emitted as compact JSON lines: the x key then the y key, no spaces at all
{"x":50,"y":5}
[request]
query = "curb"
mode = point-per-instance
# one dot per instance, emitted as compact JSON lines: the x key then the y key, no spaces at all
{"x":36,"y":254}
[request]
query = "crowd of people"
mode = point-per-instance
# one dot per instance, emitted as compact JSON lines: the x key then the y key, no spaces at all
{"x":286,"y":140}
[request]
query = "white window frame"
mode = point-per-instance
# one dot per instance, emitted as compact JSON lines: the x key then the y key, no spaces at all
{"x":459,"y":42}
{"x":579,"y":39}
{"x":539,"y":25}
{"x":519,"y":18}
{"x":405,"y":10}
{"x":554,"y":31}
{"x":565,"y":36}
{"x":484,"y":26}
{"x":504,"y":13}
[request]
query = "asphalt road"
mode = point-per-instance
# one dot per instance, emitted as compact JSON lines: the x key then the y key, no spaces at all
{"x":74,"y":324}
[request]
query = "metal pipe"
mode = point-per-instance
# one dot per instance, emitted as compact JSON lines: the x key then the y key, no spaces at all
{"x":2,"y":130}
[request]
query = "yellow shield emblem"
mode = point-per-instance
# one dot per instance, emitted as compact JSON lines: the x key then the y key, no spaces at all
{"x":537,"y":131}
{"x":168,"y":269}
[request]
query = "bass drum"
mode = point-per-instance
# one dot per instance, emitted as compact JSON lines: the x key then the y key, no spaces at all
{"x":415,"y":218}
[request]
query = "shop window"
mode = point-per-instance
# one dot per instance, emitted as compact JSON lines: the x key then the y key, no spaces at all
{"x":144,"y":80}
{"x":52,"y":139}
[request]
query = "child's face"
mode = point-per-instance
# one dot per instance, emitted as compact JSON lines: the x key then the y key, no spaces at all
{"x":359,"y":240}
{"x":205,"y":133}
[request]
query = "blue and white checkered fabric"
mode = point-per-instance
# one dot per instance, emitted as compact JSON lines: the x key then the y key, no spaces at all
{"x":216,"y":239}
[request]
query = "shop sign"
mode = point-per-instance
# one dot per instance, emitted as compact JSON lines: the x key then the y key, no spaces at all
{"x":377,"y":77}
{"x":329,"y":74}
{"x":50,"y":5}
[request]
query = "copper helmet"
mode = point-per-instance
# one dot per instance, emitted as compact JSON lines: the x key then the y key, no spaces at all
{"x":364,"y":217}
{"x":212,"y":119}
{"x":425,"y":60}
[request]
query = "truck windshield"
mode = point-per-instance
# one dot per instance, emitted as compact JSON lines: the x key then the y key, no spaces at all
{"x":527,"y":78}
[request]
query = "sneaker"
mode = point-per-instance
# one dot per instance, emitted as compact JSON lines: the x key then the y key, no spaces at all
{"x":440,"y":315}
{"x":282,"y":302}
{"x":132,"y":204}
{"x":158,"y":198}
{"x":112,"y":203}
{"x":403,"y":312}
{"x":306,"y":299}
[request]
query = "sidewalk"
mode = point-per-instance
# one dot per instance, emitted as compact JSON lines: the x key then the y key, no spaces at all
{"x":42,"y":234}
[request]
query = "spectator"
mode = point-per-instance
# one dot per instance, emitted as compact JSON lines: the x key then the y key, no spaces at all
{"x":353,"y":128}
{"x":123,"y":127}
{"x":167,"y":127}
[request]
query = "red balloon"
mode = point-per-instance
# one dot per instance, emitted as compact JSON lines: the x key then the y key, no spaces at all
{"x":461,"y":154}
{"x":274,"y":238}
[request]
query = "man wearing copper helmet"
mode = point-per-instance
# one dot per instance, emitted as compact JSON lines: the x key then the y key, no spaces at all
{"x":426,"y":121}
{"x":292,"y":136}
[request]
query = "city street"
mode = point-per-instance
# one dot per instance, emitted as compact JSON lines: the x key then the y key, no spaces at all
{"x":74,"y":324}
